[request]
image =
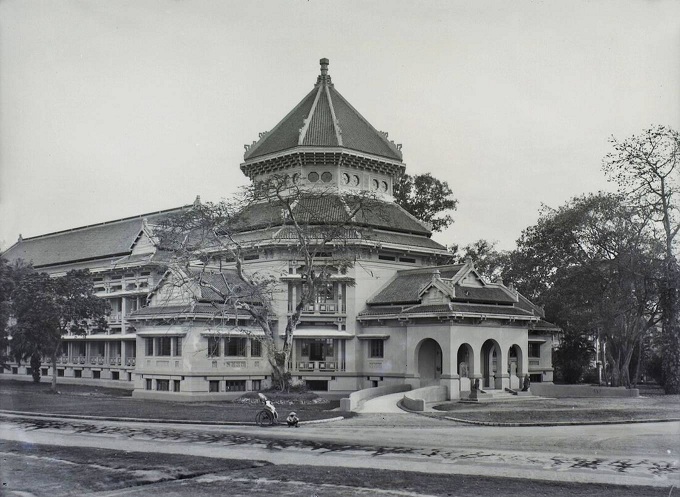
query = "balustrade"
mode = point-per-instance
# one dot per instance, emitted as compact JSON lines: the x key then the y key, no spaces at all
{"x":115,"y":317}
{"x":325,"y":308}
{"x":317,"y":365}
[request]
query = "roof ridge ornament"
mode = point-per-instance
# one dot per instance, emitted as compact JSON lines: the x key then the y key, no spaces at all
{"x":324,"y":78}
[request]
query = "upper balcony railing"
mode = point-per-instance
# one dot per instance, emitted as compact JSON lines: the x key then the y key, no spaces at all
{"x":96,"y":360}
{"x":328,"y":365}
{"x":321,"y":308}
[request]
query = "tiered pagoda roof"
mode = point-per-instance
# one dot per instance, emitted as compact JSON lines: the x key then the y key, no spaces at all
{"x":324,"y":118}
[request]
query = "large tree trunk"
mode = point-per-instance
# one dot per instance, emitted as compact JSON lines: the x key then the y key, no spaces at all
{"x":636,"y":373}
{"x":671,"y":328}
{"x":54,"y":369}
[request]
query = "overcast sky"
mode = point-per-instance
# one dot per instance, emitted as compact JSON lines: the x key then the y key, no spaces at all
{"x":112,"y":109}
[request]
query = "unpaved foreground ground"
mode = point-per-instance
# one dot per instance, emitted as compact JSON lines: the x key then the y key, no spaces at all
{"x":54,"y":471}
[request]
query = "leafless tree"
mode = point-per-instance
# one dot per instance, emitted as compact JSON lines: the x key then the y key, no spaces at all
{"x":319,"y":228}
{"x":646,"y":167}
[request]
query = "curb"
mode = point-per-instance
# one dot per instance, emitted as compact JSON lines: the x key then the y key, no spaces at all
{"x":154,"y":420}
{"x":561,"y":423}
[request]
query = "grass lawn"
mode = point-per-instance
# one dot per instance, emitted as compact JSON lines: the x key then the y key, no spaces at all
{"x":109,"y":402}
{"x":567,"y":410}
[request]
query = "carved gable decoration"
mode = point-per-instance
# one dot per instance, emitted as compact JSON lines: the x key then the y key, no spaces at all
{"x":434,"y":295}
{"x":472,"y":279}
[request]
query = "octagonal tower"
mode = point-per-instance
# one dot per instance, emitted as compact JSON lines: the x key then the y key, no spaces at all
{"x":325,"y":142}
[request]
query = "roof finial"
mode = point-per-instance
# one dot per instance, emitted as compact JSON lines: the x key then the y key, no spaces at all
{"x":324,"y":78}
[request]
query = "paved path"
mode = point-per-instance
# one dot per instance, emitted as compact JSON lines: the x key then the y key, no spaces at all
{"x":383,"y":404}
{"x":629,"y":454}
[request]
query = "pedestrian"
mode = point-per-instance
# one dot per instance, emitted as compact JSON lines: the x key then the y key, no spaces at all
{"x":293,"y":419}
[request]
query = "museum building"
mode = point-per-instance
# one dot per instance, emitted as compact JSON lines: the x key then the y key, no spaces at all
{"x":397,"y":315}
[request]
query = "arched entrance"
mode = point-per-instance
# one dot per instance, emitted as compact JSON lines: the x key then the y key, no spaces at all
{"x":491,"y":361}
{"x":464,"y":361}
{"x":429,"y":362}
{"x":515,"y":365}
{"x":465,"y":366}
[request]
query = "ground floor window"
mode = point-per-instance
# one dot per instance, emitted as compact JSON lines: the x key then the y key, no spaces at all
{"x":536,"y":378}
{"x":96,"y":374}
{"x":163,"y":385}
{"x":214,"y":386}
{"x":534,"y":350}
{"x":317,"y":349}
{"x":377,"y":349}
{"x":213,"y":347}
{"x":15,"y":370}
{"x":235,"y":386}
{"x":115,"y":375}
{"x":318,"y":385}
{"x":235,"y":347}
{"x":60,"y":372}
{"x":149,"y":384}
{"x":164,"y":346}
{"x":175,"y":385}
{"x":78,"y":373}
{"x":29,"y":370}
{"x":257,"y":385}
{"x":45,"y":371}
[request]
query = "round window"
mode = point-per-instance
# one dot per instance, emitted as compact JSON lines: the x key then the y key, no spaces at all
{"x":345,"y":179}
{"x":313,"y":177}
{"x":383,"y":186}
{"x":296,"y":177}
{"x":375,"y":184}
{"x":355,"y":180}
{"x":326,"y":177}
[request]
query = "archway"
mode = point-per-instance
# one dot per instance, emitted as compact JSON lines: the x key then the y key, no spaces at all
{"x":515,"y":365}
{"x":465,"y":361}
{"x":491,"y":361}
{"x":429,"y":362}
{"x":465,"y":366}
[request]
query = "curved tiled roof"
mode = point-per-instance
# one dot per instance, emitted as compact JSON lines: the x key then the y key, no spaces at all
{"x":109,"y":239}
{"x":450,"y":308}
{"x":324,"y":118}
{"x":334,"y":208}
{"x":404,"y":288}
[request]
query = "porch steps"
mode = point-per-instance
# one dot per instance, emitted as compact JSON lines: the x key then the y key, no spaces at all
{"x":501,"y":396}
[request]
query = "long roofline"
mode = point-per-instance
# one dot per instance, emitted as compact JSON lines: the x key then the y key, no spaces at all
{"x":138,"y":216}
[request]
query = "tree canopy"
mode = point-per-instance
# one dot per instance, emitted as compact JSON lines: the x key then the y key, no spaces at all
{"x":427,"y":198}
{"x":46,"y":309}
{"x":594,"y":267}
{"x":646,"y":168}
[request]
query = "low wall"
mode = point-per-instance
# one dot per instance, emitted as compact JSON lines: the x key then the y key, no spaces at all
{"x":355,"y":398}
{"x":560,"y":391}
{"x":67,"y":380}
{"x":415,"y":400}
